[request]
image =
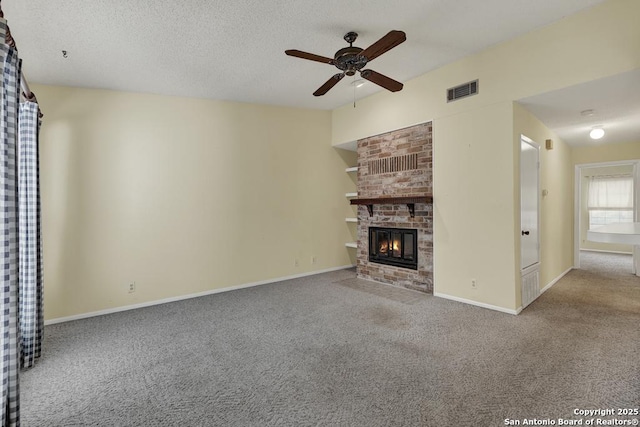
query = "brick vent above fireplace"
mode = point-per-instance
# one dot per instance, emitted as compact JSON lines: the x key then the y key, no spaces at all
{"x":393,"y":164}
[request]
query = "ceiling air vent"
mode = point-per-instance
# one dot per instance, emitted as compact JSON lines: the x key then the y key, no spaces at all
{"x":462,"y":91}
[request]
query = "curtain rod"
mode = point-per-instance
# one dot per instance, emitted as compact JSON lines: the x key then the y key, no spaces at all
{"x":609,"y":175}
{"x":24,"y":86}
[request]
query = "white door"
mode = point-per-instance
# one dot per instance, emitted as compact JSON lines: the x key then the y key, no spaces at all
{"x":529,"y":202}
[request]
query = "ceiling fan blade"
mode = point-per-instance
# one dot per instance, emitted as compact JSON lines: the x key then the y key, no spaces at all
{"x":388,"y":42}
{"x":309,"y":56}
{"x":381,"y":80}
{"x":329,"y":84}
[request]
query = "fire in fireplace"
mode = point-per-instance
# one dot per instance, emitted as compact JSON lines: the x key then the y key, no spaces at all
{"x":394,"y":246}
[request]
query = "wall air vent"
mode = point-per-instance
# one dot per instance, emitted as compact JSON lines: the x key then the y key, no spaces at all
{"x":462,"y":91}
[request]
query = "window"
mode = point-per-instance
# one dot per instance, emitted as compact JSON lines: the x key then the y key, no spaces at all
{"x":610,"y":200}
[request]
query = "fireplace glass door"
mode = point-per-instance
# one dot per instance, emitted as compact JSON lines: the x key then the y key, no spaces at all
{"x":394,"y":246}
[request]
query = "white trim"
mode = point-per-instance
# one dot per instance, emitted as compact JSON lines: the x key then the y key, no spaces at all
{"x":607,"y":252}
{"x":605,"y":164}
{"x":554,"y":281}
{"x":577,"y":203}
{"x":476,"y":303}
{"x":189,"y":296}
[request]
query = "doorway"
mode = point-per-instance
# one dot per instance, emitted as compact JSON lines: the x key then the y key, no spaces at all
{"x":585,"y":215}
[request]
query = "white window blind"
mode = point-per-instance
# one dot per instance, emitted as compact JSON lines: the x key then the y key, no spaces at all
{"x":610,"y":200}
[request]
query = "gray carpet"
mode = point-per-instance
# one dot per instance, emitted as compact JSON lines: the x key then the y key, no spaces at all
{"x":331,"y":350}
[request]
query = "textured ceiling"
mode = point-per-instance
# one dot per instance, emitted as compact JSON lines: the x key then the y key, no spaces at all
{"x":234,"y":50}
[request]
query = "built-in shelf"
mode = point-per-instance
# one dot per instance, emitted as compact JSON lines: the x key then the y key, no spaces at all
{"x":353,"y":245}
{"x":410,"y":201}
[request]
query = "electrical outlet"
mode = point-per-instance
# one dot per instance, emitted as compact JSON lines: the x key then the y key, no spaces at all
{"x":132,"y":287}
{"x":474,"y":284}
{"x":296,"y":263}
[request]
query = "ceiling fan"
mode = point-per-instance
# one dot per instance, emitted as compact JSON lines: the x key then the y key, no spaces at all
{"x":351,"y":59}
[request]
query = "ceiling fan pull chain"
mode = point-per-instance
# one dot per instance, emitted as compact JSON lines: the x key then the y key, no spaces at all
{"x":354,"y":91}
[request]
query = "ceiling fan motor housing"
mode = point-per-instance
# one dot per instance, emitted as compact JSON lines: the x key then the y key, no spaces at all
{"x":349,"y":60}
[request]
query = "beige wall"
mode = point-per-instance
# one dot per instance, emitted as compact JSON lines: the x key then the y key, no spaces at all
{"x":477,"y":213}
{"x":473,"y":219}
{"x":555,"y":56}
{"x":182,"y":196}
{"x":606,"y":153}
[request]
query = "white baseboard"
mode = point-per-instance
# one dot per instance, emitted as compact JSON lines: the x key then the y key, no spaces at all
{"x":554,"y":281}
{"x":495,"y":307}
{"x":476,"y":303}
{"x":606,"y":252}
{"x":189,"y":296}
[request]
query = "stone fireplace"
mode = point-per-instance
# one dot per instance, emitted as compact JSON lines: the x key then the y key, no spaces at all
{"x":395,"y":212}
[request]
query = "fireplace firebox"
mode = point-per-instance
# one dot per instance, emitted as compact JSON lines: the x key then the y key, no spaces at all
{"x":394,"y":246}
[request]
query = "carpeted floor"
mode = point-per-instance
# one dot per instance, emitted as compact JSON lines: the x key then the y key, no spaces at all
{"x":331,"y":350}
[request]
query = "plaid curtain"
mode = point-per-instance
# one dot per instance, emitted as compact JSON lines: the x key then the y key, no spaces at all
{"x":30,"y":254}
{"x":9,"y":332}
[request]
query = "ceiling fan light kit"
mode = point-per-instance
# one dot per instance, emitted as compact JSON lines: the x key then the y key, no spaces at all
{"x":352,"y":59}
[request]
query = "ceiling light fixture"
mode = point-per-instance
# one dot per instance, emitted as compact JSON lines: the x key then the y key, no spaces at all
{"x":357,"y":83}
{"x":597,"y":132}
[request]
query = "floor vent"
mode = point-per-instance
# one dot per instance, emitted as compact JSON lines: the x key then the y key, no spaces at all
{"x":530,"y":287}
{"x":462,"y":91}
